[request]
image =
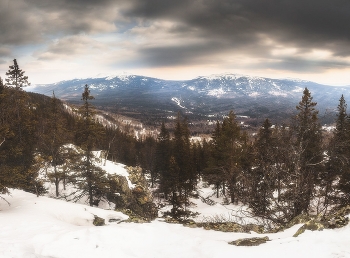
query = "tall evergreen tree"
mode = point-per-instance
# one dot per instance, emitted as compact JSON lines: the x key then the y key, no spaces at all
{"x":338,"y":152}
{"x":263,"y":176}
{"x":225,"y":164}
{"x":52,"y":138}
{"x":5,"y":133}
{"x":148,"y":156}
{"x":163,"y":153}
{"x":90,"y":178}
{"x":215,"y":172}
{"x":15,"y":76}
{"x":17,"y":151}
{"x":181,"y":153}
{"x":231,"y":142}
{"x":308,"y":153}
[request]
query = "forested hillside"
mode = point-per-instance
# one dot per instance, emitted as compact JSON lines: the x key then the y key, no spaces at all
{"x":279,"y":172}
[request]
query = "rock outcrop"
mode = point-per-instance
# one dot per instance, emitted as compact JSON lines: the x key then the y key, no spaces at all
{"x":98,"y":221}
{"x":335,"y":219}
{"x":254,"y":241}
{"x":136,"y":201}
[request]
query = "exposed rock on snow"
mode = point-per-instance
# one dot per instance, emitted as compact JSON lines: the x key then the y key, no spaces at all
{"x":339,"y":218}
{"x":336,"y":219}
{"x":98,"y":221}
{"x":255,"y":241}
{"x":312,"y":225}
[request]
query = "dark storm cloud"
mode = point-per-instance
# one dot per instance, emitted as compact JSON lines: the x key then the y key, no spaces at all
{"x":186,"y":54}
{"x":32,"y":21}
{"x":200,"y":31}
{"x":236,"y":24}
{"x":301,"y":65}
{"x":175,"y":55}
{"x":298,"y":19}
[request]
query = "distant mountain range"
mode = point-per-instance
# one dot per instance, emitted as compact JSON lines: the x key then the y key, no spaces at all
{"x":202,"y":97}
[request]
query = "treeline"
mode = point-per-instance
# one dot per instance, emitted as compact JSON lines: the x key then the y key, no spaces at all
{"x":36,"y":131}
{"x":280,"y":172}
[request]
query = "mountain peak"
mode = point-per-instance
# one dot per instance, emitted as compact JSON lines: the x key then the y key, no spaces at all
{"x":203,"y":96}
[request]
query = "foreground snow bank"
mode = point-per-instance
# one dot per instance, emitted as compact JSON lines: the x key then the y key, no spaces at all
{"x":43,"y":227}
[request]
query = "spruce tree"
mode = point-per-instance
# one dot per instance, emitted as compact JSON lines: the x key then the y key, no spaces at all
{"x":262,"y":177}
{"x":338,"y":152}
{"x":17,"y":115}
{"x":5,"y":133}
{"x":90,"y":179}
{"x":163,"y":153}
{"x":224,"y":167}
{"x":52,"y":138}
{"x":215,"y":172}
{"x":182,"y":159}
{"x":175,"y":187}
{"x":15,"y":76}
{"x":231,"y":143}
{"x":308,"y":153}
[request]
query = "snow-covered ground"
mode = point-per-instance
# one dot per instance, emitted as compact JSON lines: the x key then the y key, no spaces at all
{"x":44,"y":227}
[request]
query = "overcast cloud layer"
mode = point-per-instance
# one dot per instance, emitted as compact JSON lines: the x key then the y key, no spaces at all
{"x":63,"y":39}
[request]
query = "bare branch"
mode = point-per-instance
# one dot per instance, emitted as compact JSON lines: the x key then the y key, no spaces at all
{"x":2,"y":141}
{"x":5,"y":200}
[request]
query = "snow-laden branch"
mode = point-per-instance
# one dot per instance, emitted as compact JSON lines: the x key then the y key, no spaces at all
{"x":2,"y":141}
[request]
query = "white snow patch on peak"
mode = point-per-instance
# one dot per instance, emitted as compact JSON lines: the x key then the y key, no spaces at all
{"x":278,"y":93}
{"x":177,"y":101}
{"x":278,"y":87}
{"x":216,"y":92}
{"x":294,"y":80}
{"x":298,"y":89}
{"x":227,"y":76}
{"x":124,"y":76}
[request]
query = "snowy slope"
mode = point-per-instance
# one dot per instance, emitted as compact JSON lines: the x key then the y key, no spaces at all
{"x":108,"y":166}
{"x":43,"y":227}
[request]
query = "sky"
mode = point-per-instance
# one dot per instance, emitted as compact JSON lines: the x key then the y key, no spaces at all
{"x":56,"y":40}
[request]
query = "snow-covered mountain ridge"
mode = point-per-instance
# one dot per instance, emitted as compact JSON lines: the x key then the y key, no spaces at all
{"x":203,"y":96}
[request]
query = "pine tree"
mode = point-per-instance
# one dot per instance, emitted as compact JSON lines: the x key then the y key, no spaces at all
{"x":163,"y":153}
{"x":338,"y":152}
{"x":148,"y":156}
{"x":246,"y":166}
{"x":215,"y":172}
{"x":3,"y":124}
{"x":183,"y":163}
{"x":262,"y":176}
{"x":52,"y":138}
{"x":225,"y":164}
{"x":308,"y":153}
{"x":5,"y":133}
{"x":17,"y":117}
{"x":175,"y":188}
{"x":91,"y":180}
{"x":231,"y":141}
{"x":341,"y":130}
{"x":15,"y":77}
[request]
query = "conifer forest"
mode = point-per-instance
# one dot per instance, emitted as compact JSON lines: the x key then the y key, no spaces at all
{"x":279,"y":172}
